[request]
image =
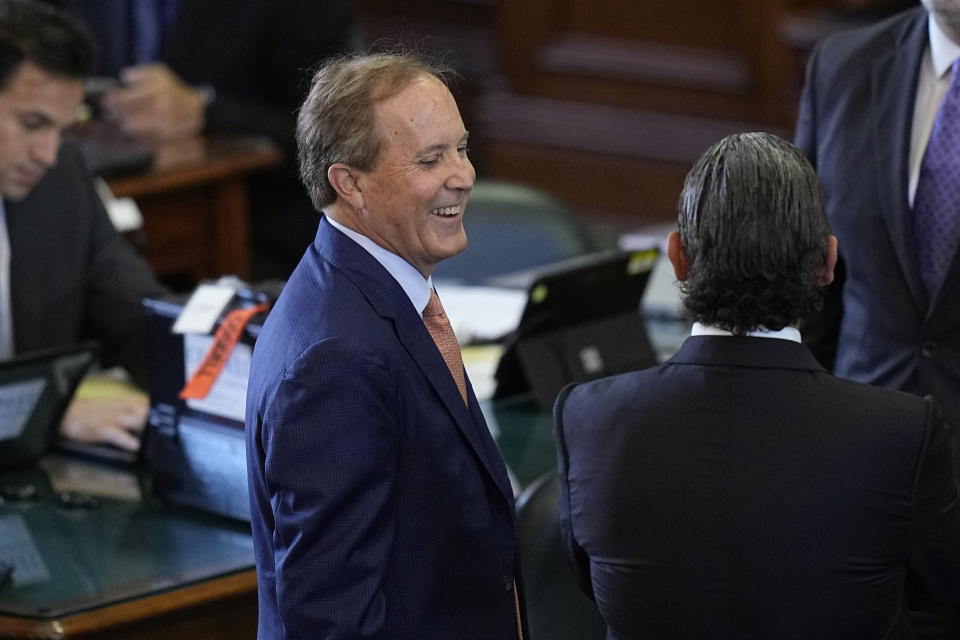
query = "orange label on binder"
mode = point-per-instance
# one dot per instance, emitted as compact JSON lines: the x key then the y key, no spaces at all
{"x":217,"y":355}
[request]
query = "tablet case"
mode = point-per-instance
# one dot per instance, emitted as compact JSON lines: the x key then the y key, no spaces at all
{"x":35,"y":390}
{"x":582,"y":321}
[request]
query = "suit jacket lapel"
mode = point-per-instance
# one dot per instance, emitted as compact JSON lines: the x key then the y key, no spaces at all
{"x":416,"y":339}
{"x":894,"y":93}
{"x":390,"y":301}
{"x":947,"y":293}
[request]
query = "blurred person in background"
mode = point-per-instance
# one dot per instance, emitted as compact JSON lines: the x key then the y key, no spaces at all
{"x":65,"y":273}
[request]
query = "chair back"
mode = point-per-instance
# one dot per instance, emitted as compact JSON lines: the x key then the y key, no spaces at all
{"x":511,"y":227}
{"x":556,"y":607}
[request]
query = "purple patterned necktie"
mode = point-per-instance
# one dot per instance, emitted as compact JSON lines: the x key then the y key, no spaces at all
{"x":936,"y":204}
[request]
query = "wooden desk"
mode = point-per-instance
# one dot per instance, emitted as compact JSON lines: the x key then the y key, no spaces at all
{"x":196,"y":206}
{"x":223,"y":607}
{"x":123,"y":569}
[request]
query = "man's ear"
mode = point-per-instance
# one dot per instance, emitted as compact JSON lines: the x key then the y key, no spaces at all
{"x":677,"y":256}
{"x":343,"y":179}
{"x":826,"y":274}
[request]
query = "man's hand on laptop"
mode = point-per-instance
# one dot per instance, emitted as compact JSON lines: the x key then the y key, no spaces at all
{"x":116,"y":421}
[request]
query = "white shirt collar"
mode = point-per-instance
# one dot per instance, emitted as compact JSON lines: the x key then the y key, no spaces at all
{"x":943,"y":50}
{"x":411,"y":281}
{"x":787,"y":333}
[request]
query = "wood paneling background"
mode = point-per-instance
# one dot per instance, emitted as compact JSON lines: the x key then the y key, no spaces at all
{"x":607,"y":104}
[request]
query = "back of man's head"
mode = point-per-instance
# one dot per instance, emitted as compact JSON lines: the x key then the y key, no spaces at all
{"x":754,"y":234}
{"x":30,"y":31}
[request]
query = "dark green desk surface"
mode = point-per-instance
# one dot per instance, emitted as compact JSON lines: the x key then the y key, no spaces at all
{"x":525,"y":436}
{"x":73,"y":559}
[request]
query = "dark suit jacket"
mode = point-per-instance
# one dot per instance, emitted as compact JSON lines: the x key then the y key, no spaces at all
{"x":72,"y":277}
{"x":381,"y":506}
{"x":740,"y":491}
{"x":855,"y":122}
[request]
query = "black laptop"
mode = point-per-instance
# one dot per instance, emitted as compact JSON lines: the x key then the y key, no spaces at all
{"x":35,"y":389}
{"x":581,"y":322}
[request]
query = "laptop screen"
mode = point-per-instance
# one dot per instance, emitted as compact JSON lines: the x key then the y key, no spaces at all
{"x":588,"y":288}
{"x":35,"y":389}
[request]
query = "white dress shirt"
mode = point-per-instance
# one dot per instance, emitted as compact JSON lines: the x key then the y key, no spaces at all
{"x":787,"y":333}
{"x":932,"y":85}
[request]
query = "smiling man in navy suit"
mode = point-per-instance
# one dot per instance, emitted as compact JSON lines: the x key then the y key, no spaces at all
{"x":739,"y":490}
{"x":381,"y":507}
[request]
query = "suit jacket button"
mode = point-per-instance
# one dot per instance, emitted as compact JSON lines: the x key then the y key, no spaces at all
{"x":508,"y":583}
{"x":929,"y":348}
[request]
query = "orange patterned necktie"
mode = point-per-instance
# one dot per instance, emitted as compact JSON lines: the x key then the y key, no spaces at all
{"x":442,"y":333}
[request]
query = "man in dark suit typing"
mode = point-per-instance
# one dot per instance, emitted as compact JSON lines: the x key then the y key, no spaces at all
{"x":65,"y":273}
{"x":739,"y":490}
{"x":381,"y":507}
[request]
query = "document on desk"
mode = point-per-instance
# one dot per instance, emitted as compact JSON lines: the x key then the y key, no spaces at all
{"x":481,"y":314}
{"x":228,"y":395}
{"x":17,"y":401}
{"x":204,"y":307}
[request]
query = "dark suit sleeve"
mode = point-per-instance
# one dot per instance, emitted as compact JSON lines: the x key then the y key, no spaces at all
{"x":805,"y":137}
{"x":116,"y":281}
{"x":933,"y":578}
{"x":577,"y":558}
{"x":330,"y":436}
{"x":820,"y":329}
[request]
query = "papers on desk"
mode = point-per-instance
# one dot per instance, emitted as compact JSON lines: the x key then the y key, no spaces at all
{"x":228,"y":395}
{"x":481,"y":362}
{"x":481,"y":314}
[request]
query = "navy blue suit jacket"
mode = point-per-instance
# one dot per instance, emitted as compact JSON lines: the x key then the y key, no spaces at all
{"x":739,"y":491}
{"x":381,"y":507}
{"x":855,"y":123}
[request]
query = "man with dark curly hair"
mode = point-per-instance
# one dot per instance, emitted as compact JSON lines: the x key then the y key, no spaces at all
{"x":739,"y":490}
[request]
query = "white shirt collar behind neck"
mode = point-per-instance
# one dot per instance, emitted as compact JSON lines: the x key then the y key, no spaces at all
{"x":411,"y":281}
{"x":943,"y":50}
{"x":787,"y":333}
